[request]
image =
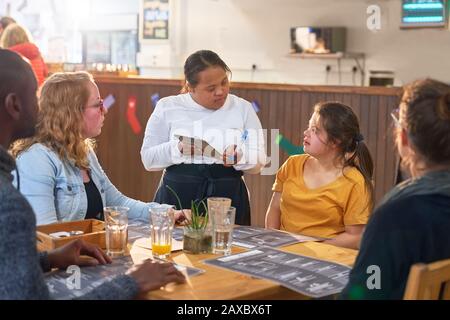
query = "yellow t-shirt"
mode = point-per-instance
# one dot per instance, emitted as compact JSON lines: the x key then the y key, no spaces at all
{"x":324,"y":211}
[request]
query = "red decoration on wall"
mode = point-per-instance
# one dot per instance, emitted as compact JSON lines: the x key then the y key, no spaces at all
{"x":131,"y":115}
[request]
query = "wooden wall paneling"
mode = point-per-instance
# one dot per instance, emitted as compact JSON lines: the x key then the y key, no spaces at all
{"x":108,"y":138}
{"x":296,"y":120}
{"x":268,"y":114}
{"x":145,"y":184}
{"x":372,"y":139}
{"x":355,"y":104}
{"x":306,"y":106}
{"x":347,"y":100}
{"x":256,"y":188}
{"x":251,"y":180}
{"x":280,"y":114}
{"x":131,"y":143}
{"x":320,"y":97}
{"x":339,"y":97}
{"x":286,"y":122}
{"x":331,"y":97}
{"x":364,"y":119}
{"x":251,"y":183}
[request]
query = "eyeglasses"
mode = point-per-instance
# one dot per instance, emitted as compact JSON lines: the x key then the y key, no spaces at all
{"x":98,"y":105}
{"x":396,"y":117}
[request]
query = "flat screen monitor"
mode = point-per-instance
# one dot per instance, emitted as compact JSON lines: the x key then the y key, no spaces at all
{"x":318,"y":40}
{"x":424,"y":13}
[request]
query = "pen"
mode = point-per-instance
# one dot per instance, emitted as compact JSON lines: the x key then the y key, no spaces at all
{"x":244,"y":137}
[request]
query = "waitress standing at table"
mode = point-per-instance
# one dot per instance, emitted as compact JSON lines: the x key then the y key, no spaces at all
{"x":204,"y":139}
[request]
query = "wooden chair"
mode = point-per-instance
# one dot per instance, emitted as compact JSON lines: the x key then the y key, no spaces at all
{"x":429,"y":281}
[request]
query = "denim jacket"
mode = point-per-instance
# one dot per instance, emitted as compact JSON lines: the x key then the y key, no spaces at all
{"x":55,"y":188}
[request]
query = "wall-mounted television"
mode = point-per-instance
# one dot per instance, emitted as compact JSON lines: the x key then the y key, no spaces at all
{"x":424,"y":13}
{"x":318,"y":40}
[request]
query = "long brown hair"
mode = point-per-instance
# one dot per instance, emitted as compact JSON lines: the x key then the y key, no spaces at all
{"x":426,"y":119}
{"x":342,"y":127}
{"x":60,"y":120}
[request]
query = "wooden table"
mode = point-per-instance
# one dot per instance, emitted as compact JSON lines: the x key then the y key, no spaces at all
{"x":221,"y":284}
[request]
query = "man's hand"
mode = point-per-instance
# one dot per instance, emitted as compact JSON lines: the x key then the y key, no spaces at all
{"x":77,"y":252}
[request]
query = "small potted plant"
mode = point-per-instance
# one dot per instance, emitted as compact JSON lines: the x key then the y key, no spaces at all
{"x":197,"y":236}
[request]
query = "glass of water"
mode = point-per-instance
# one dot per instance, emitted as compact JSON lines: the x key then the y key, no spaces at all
{"x":116,"y":224}
{"x":223,"y":222}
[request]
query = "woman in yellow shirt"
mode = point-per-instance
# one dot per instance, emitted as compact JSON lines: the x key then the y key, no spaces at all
{"x":328,"y":191}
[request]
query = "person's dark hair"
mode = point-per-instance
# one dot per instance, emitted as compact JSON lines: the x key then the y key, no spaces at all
{"x":5,"y":21}
{"x":426,"y":119}
{"x":342,"y":128}
{"x":198,"y":62}
{"x":14,"y":72}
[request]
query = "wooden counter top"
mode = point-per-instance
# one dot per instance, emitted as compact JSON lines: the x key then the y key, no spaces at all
{"x":139,"y":80}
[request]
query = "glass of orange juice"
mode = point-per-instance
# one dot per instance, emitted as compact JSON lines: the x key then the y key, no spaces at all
{"x":161,"y":227}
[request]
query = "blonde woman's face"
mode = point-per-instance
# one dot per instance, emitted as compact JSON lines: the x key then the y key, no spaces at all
{"x":94,"y":113}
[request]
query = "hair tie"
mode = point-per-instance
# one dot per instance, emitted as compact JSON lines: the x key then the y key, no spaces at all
{"x":359,"y":137}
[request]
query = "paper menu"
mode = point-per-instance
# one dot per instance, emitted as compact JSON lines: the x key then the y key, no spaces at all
{"x":206,"y":148}
{"x":217,"y":140}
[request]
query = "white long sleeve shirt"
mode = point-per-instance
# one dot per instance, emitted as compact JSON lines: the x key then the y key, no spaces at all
{"x":180,"y":115}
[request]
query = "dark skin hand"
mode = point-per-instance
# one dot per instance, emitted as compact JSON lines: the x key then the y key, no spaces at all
{"x":77,"y":252}
{"x":152,"y":275}
{"x":149,"y":275}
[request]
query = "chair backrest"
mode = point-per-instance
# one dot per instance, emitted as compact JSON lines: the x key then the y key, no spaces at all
{"x":429,"y":281}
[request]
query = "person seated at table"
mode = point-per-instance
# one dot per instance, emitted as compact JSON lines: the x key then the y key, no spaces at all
{"x":328,"y":191}
{"x":58,"y":171}
{"x":21,"y":266}
{"x":411,"y":225}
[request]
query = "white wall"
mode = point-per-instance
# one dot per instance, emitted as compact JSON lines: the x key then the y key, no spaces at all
{"x":246,"y":32}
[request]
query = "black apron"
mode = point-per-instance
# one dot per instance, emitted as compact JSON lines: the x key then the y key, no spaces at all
{"x":201,"y":181}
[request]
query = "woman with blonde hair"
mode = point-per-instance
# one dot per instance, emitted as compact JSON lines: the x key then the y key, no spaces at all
{"x":58,"y":171}
{"x":15,"y":38}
